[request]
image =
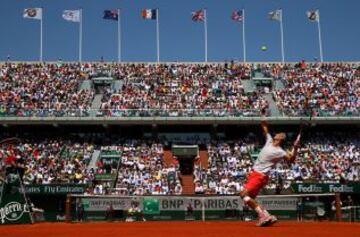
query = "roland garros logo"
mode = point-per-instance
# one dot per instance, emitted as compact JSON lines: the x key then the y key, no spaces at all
{"x":12,"y":211}
{"x":31,"y":12}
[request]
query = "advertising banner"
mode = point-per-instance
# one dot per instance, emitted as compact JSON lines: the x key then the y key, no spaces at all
{"x":197,"y":203}
{"x":54,"y":189}
{"x":102,"y":204}
{"x":279,"y":204}
{"x":13,"y":205}
{"x":151,"y":206}
{"x":157,"y":204}
{"x":105,"y":176}
{"x":326,"y":188}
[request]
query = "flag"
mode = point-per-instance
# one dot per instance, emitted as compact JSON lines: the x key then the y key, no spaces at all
{"x":198,"y":15}
{"x":275,"y":15}
{"x":149,"y":14}
{"x":33,"y":13}
{"x":313,"y":15}
{"x":237,"y":15}
{"x":71,"y":15}
{"x":111,"y":14}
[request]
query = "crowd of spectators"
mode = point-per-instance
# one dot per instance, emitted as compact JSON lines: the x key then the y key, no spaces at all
{"x":143,"y":171}
{"x":321,"y":158}
{"x":49,"y":161}
{"x":229,"y":164}
{"x":183,"y":90}
{"x":318,"y":89}
{"x":328,"y":158}
{"x":54,"y":89}
{"x":141,"y":168}
{"x":43,"y":90}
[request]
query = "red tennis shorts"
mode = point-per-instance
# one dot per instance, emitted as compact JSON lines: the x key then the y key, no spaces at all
{"x":255,"y":182}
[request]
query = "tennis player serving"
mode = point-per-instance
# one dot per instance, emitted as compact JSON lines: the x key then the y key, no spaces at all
{"x":269,"y":156}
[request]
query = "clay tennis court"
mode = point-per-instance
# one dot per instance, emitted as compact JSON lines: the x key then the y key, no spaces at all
{"x":180,"y":229}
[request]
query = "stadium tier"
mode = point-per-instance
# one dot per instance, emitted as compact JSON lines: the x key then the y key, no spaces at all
{"x":139,"y":167}
{"x":222,"y":91}
{"x":44,"y":90}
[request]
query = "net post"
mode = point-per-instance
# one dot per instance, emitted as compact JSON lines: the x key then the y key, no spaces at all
{"x":203,"y":209}
{"x":338,"y":206}
{"x":68,"y":208}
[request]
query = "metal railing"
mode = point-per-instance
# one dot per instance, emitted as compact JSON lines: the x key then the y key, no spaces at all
{"x":23,"y":112}
{"x":202,"y":113}
{"x":321,"y":113}
{"x":47,"y":113}
{"x":179,"y":113}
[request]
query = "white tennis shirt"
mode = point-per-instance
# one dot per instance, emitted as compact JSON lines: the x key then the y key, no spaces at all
{"x":268,"y":156}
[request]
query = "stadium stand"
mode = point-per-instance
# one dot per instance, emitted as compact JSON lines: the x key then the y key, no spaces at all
{"x":229,"y":163}
{"x":178,"y":90}
{"x":331,"y":89}
{"x":138,"y":167}
{"x":143,"y":171}
{"x":50,"y":161}
{"x":43,"y":90}
{"x":183,"y":90}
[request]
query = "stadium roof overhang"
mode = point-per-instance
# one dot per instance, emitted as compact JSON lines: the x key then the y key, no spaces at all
{"x":173,"y":120}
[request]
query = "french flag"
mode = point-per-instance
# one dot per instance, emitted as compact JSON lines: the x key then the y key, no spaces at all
{"x":149,"y":14}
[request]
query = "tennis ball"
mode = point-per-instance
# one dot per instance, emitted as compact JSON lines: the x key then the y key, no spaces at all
{"x":263,"y":48}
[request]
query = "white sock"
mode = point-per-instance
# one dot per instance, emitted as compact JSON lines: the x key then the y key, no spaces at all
{"x":259,"y":210}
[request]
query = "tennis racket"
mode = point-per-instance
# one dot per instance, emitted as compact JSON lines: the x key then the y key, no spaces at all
{"x":306,"y":123}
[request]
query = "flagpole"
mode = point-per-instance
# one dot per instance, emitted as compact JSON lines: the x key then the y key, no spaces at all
{"x":205,"y":32}
{"x":282,"y":37}
{"x":157,"y":36}
{"x":320,"y":40}
{"x":80,"y":36}
{"x":243,"y":31}
{"x":119,"y":37}
{"x":41,"y":35}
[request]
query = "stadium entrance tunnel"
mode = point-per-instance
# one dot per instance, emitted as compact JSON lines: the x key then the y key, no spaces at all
{"x":186,"y":155}
{"x":186,"y":165}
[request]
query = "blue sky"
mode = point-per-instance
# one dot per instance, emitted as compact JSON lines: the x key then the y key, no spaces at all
{"x":180,"y":38}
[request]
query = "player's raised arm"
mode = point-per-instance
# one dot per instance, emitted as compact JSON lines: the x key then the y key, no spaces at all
{"x":291,"y":155}
{"x":264,"y":126}
{"x":264,"y":123}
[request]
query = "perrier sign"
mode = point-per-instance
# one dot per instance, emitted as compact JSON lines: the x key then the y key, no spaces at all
{"x":13,"y":206}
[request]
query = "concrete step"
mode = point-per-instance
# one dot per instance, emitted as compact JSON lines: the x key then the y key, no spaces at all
{"x":274,"y":110}
{"x":279,"y":85}
{"x":95,"y":105}
{"x":188,"y":184}
{"x":94,"y":158}
{"x":248,"y":86}
{"x":86,"y":85}
{"x":117,"y":85}
{"x":168,"y":157}
{"x":204,"y":159}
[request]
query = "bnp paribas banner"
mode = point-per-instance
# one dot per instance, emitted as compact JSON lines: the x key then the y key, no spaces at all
{"x":326,"y":188}
{"x":156,"y":204}
{"x":13,"y":205}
